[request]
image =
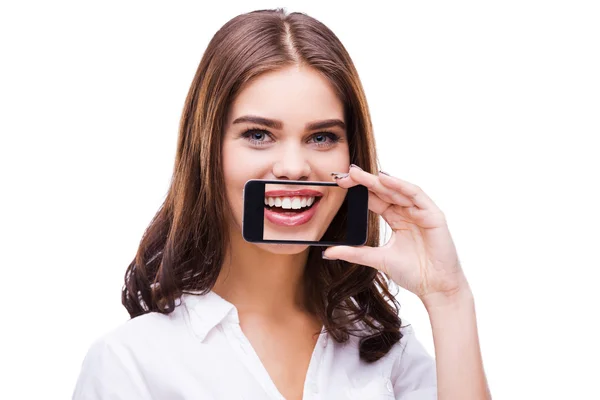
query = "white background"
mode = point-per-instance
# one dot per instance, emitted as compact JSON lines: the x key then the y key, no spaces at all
{"x":492,"y":108}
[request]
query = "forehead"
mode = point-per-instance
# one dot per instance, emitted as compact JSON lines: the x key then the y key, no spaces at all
{"x":295,"y":95}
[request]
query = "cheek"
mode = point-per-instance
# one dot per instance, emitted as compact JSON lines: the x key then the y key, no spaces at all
{"x":235,"y":177}
{"x":241,"y":163}
{"x":239,"y":166}
{"x":332,"y":161}
{"x":233,"y":161}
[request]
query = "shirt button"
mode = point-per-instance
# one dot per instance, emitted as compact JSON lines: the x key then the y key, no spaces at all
{"x":325,"y":342}
{"x":314,"y":387}
{"x":389,"y":386}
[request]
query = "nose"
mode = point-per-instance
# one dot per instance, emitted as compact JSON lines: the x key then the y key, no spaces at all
{"x":292,"y":164}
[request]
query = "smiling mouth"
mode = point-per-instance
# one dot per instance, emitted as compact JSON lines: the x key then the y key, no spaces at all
{"x":291,"y":204}
{"x":288,"y":208}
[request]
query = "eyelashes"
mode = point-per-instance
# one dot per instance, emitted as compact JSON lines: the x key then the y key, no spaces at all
{"x":250,"y":135}
{"x":261,"y":137}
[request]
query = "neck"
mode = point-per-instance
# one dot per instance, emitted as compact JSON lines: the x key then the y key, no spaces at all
{"x":258,"y":281}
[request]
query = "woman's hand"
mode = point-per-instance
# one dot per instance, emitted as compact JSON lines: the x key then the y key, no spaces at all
{"x":420,"y":256}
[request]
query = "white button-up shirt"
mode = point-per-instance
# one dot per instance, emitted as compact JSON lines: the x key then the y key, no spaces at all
{"x":200,"y":352}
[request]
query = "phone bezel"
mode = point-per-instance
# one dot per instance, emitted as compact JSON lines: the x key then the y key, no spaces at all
{"x":253,"y":213}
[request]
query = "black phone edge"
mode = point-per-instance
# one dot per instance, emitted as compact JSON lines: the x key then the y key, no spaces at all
{"x":260,"y":221}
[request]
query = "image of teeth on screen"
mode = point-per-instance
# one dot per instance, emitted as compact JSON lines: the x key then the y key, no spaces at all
{"x":304,"y":213}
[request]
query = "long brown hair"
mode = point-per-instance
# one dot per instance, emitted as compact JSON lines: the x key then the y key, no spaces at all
{"x":183,"y":248}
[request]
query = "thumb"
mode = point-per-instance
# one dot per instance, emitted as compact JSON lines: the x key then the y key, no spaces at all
{"x":363,"y":255}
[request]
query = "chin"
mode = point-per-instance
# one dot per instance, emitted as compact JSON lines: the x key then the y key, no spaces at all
{"x":285,"y":249}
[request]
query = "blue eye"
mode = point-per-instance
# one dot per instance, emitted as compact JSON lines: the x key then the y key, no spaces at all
{"x":257,"y":137}
{"x":261,"y":137}
{"x":325,"y":139}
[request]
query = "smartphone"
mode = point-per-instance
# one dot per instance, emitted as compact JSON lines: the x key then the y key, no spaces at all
{"x":301,"y":212}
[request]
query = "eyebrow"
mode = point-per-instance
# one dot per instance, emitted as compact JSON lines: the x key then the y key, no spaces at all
{"x":276,"y":124}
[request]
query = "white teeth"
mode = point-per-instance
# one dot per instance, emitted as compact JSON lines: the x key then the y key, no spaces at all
{"x":290,"y":203}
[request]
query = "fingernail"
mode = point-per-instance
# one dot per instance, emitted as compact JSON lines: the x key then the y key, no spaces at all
{"x":339,"y":175}
{"x":385,"y":173}
{"x":325,"y":257}
{"x":355,"y":166}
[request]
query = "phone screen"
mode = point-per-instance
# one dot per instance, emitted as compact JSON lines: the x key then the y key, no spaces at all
{"x":317,"y":213}
{"x":299,"y":212}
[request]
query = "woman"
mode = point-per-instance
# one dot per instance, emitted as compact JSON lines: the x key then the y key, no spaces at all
{"x":276,"y":96}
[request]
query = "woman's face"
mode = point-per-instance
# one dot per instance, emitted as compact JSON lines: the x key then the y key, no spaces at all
{"x":287,"y":125}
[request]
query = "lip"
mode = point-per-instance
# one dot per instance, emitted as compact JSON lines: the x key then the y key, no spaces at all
{"x":292,"y":218}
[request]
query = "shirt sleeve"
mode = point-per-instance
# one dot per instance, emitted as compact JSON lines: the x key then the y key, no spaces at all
{"x":414,"y":375}
{"x":107,"y":374}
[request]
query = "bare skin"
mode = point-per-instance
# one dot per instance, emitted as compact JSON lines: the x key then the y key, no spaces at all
{"x":264,"y":281}
{"x":272,"y":316}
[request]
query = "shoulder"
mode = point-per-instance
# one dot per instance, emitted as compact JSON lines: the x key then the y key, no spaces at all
{"x":408,"y":351}
{"x":413,"y":368}
{"x":133,"y":333}
{"x":409,"y":342}
{"x":407,"y":370}
{"x":407,"y":348}
{"x":120,"y":360}
{"x":148,"y":328}
{"x":110,"y":366}
{"x":151,"y":326}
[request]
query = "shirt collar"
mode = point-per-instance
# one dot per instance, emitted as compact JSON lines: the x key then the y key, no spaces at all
{"x":207,"y":311}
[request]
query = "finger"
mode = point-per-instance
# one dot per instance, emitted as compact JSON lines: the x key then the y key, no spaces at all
{"x":358,"y":176}
{"x":377,"y":205}
{"x":362,"y":255}
{"x":416,"y":195}
{"x":343,"y":180}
